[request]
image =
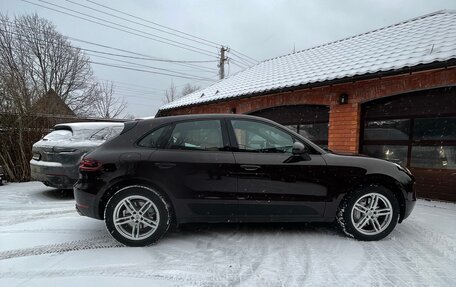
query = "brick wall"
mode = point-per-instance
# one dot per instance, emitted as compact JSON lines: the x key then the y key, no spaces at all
{"x":344,"y":120}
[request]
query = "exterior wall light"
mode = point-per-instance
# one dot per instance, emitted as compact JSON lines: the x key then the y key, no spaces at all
{"x":343,"y":99}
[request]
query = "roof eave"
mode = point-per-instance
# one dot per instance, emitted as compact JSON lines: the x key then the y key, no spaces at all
{"x":404,"y":70}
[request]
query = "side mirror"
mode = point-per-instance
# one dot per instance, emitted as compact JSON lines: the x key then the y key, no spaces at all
{"x":299,"y":148}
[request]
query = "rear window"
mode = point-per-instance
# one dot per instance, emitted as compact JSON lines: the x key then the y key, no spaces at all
{"x":58,"y":135}
{"x":152,"y":140}
{"x":98,"y":133}
{"x":106,"y":133}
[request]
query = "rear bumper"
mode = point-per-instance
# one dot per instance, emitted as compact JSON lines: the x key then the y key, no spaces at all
{"x":87,"y":204}
{"x":54,"y":174}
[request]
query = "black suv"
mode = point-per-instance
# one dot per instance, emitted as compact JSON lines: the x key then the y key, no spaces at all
{"x":233,"y":168}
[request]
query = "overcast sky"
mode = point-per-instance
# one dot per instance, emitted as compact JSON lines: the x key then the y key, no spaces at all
{"x":258,"y":29}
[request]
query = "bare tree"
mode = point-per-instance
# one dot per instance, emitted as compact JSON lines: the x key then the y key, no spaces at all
{"x":106,"y":104}
{"x":188,"y":89}
{"x":35,"y":58}
{"x":170,"y":94}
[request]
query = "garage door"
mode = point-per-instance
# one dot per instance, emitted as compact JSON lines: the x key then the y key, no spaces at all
{"x":311,"y":121}
{"x":416,"y":130}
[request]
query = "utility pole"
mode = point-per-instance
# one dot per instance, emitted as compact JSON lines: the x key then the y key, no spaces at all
{"x":223,"y":59}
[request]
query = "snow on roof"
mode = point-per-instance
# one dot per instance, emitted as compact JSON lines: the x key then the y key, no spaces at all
{"x":421,"y":40}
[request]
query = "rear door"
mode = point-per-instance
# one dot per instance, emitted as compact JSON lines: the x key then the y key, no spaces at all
{"x":196,"y":165}
{"x":272,"y":182}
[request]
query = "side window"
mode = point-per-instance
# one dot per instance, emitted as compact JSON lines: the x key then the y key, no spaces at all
{"x":197,"y":135}
{"x":254,"y":136}
{"x":152,"y":140}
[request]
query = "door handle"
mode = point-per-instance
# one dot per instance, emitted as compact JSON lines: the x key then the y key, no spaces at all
{"x":165,"y":165}
{"x":249,"y":167}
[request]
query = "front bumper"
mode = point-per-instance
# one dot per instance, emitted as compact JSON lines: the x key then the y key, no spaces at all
{"x":410,"y":202}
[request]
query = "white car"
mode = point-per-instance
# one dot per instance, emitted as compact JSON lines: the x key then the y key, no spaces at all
{"x":56,"y":156}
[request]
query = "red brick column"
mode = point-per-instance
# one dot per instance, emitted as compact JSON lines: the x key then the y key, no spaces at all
{"x":344,"y":127}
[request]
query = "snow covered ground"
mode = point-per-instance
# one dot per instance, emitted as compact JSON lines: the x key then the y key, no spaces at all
{"x":44,"y":242}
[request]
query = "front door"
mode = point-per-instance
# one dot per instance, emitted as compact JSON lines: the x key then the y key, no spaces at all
{"x":272,"y":182}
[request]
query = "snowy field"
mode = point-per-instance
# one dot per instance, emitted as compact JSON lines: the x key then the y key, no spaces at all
{"x":44,"y":242}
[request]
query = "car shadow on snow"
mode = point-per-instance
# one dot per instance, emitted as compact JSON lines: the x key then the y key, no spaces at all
{"x":59,"y":194}
{"x":258,"y":228}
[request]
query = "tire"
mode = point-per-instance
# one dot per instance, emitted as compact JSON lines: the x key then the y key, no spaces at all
{"x":369,"y":213}
{"x":137,"y":216}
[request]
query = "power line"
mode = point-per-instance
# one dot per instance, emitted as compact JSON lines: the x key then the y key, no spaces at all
{"x":235,"y":52}
{"x":145,"y":57}
{"x":138,"y":23}
{"x":241,"y":54}
{"x":244,"y":58}
{"x":162,"y":39}
{"x":179,"y":44}
{"x":144,"y":66}
{"x":149,"y":59}
{"x":147,"y":71}
{"x":238,"y":63}
{"x":130,"y":84}
{"x":154,"y":23}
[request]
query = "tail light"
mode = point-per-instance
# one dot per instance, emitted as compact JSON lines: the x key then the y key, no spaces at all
{"x":88,"y":164}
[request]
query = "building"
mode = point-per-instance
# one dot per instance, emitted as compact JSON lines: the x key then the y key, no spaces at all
{"x":388,"y":93}
{"x":51,"y":104}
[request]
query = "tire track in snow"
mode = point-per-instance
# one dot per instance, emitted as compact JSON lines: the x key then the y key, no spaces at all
{"x":130,"y":271}
{"x":55,"y":231}
{"x":34,"y":216}
{"x":435,"y":241}
{"x":421,"y":253}
{"x":84,"y":244}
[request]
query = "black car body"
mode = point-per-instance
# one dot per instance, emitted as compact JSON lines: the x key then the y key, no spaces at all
{"x":248,"y":170}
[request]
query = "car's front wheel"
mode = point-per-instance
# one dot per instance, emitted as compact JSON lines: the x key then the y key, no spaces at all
{"x":137,"y":216}
{"x":369,"y":213}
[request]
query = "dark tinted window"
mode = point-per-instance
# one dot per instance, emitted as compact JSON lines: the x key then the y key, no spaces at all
{"x":152,"y":140}
{"x":440,"y":157}
{"x":394,"y":153}
{"x":317,"y":131}
{"x":293,"y":128}
{"x":197,"y":135}
{"x":387,"y":130}
{"x":260,"y":137}
{"x":435,"y":129}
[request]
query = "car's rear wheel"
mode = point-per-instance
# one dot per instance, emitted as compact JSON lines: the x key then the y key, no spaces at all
{"x":369,"y":213}
{"x":137,"y":216}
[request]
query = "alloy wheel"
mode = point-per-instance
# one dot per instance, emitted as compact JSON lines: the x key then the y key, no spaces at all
{"x":372,"y":214}
{"x":136,"y":217}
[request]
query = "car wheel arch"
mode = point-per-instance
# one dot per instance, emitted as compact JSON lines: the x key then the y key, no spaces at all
{"x":383,"y":180}
{"x":121,"y":183}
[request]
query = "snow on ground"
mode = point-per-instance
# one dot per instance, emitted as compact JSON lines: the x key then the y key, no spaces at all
{"x":44,"y":242}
